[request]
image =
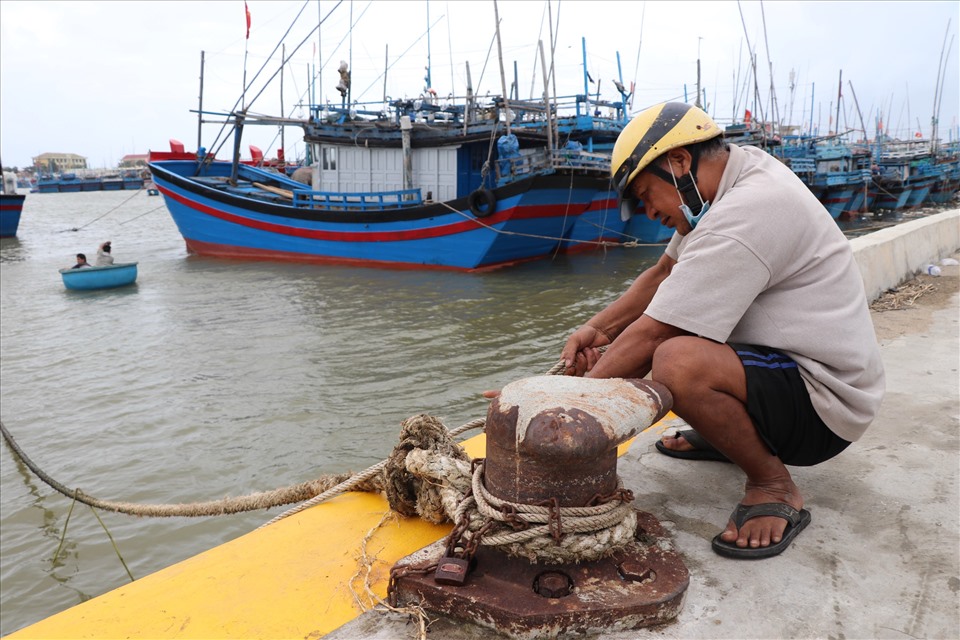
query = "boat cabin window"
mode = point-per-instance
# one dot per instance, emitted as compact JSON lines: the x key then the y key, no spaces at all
{"x":329,"y":158}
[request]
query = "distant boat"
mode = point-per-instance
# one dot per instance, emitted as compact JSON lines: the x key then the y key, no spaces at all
{"x":93,"y":278}
{"x":11,"y":205}
{"x":91,"y":183}
{"x":69,"y":183}
{"x":132,"y":180}
{"x":112,"y":182}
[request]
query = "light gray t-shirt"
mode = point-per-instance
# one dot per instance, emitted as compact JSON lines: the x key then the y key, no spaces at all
{"x":768,"y":266}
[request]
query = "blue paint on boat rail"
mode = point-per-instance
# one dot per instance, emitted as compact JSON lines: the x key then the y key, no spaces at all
{"x":358,"y":201}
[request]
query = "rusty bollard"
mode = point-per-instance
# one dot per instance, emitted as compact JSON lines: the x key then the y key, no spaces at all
{"x":554,"y":439}
{"x":557,"y":436}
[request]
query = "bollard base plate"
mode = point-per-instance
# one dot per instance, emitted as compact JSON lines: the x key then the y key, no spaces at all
{"x":641,"y":585}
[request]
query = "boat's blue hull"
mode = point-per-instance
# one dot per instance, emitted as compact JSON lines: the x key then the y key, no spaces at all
{"x":11,"y":206}
{"x":920,"y":191}
{"x":599,"y":225}
{"x":891,"y":197}
{"x":93,"y":278}
{"x":531,"y":218}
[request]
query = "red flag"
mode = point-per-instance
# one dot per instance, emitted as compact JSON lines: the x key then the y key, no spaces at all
{"x":247,"y":11}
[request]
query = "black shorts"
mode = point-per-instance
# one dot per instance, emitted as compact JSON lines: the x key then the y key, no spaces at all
{"x":779,"y":405}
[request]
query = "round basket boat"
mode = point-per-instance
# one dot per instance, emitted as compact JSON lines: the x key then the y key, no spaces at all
{"x":106,"y":277}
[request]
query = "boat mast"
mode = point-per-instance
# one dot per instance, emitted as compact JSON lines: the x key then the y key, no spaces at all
{"x":938,"y":93}
{"x":553,"y":76}
{"x":863,"y":127}
{"x":774,"y":111}
{"x":503,"y":77}
{"x":839,"y":96}
{"x":200,"y":105}
{"x":428,"y":79}
{"x":696,"y":102}
{"x":386,"y":68}
{"x":237,"y":135}
{"x":546,"y":99}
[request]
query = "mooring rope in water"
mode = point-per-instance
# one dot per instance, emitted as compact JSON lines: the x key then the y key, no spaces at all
{"x":252,"y":502}
{"x":307,"y":493}
{"x":144,"y":213}
{"x":135,"y":193}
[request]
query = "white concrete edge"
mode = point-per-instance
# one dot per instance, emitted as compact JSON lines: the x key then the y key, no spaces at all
{"x":895,"y":254}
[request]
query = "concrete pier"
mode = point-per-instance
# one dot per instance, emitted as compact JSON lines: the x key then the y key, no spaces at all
{"x":881,"y":557}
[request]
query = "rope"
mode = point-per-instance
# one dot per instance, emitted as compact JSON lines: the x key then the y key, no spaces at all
{"x":262,"y":500}
{"x":563,"y":534}
{"x":429,"y":475}
{"x":352,"y":482}
{"x":307,"y":494}
{"x":135,"y":193}
{"x":143,"y":214}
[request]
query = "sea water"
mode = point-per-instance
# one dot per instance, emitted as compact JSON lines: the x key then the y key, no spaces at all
{"x":211,"y":378}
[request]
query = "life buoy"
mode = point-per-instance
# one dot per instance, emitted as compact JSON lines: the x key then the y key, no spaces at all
{"x":482,"y":202}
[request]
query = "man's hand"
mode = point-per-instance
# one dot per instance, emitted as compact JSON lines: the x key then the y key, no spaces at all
{"x":581,"y":352}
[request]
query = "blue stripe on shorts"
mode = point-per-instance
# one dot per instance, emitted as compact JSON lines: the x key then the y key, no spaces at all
{"x":771,"y":361}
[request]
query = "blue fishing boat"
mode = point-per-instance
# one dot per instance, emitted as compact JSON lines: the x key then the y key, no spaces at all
{"x":834,"y":172}
{"x":112,"y":182}
{"x":132,"y":180}
{"x":410,"y":183}
{"x":46,"y":183}
{"x":947,"y":184}
{"x":902,"y":175}
{"x":93,"y":278}
{"x":11,"y":206}
{"x":91,"y":183}
{"x":69,"y":183}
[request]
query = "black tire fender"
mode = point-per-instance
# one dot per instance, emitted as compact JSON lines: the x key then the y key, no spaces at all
{"x":482,"y":202}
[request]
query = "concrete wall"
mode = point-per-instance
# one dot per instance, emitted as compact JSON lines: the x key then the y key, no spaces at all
{"x":892,"y":255}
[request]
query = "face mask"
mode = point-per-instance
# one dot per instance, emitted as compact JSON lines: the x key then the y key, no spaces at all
{"x":692,"y":218}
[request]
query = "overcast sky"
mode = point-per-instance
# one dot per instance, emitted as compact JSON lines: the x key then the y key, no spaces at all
{"x":105,"y":79}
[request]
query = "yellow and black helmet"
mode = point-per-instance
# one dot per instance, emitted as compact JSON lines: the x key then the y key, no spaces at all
{"x":652,"y":133}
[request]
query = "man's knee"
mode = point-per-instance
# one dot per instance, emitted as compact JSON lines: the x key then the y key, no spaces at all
{"x":675,"y":361}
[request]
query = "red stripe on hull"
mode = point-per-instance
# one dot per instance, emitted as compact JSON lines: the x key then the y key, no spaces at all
{"x":370,"y":236}
{"x":247,"y":253}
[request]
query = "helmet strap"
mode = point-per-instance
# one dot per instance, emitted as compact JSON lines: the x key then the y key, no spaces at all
{"x":693,"y":205}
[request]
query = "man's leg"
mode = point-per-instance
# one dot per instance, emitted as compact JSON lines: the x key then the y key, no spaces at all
{"x":710,"y":393}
